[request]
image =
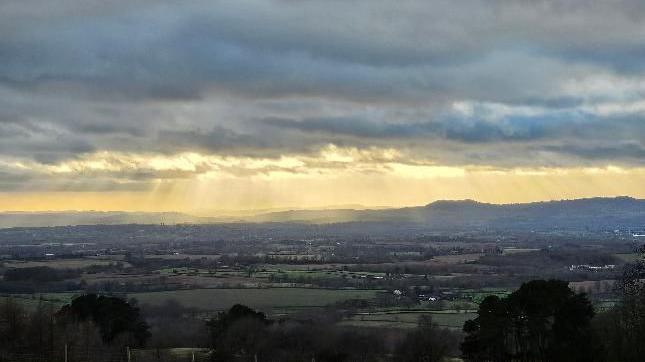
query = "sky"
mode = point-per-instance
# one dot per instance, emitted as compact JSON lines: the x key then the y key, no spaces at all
{"x":204,"y":106}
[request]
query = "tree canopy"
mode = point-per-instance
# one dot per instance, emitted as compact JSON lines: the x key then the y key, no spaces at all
{"x":113,"y":316}
{"x":541,"y":321}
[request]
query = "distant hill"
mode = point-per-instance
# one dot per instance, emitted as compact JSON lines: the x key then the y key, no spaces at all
{"x":577,"y":214}
{"x":566,"y":214}
{"x":64,"y":218}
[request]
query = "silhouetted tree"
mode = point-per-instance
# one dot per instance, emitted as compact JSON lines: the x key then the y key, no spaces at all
{"x":427,"y":343}
{"x":622,"y":328}
{"x":541,"y":321}
{"x":113,"y":317}
{"x":238,"y":332}
{"x":13,"y":327}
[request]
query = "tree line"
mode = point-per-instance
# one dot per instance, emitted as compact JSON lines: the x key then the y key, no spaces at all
{"x":547,"y":321}
{"x":543,"y":320}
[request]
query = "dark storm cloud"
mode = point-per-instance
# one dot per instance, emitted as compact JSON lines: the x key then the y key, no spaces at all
{"x":633,"y":151}
{"x":568,"y":137}
{"x":352,"y":127}
{"x":453,"y":128}
{"x":103,"y":128}
{"x":353,"y":49}
{"x":217,"y":139}
{"x":158,"y":76}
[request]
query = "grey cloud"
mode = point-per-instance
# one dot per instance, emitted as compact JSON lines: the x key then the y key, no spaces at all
{"x":554,"y":139}
{"x":216,"y":139}
{"x":40,"y":183}
{"x":153,"y":76}
{"x":455,"y":129}
{"x":351,"y":127}
{"x":29,"y":139}
{"x":29,"y":180}
{"x":620,"y":152}
{"x":106,"y":128}
{"x":361,"y":50}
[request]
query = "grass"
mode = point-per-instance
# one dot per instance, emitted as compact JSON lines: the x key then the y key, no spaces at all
{"x":58,"y":263}
{"x":455,"y":259}
{"x":268,"y":299}
{"x":402,"y":319}
{"x":278,"y":266}
{"x":510,"y":251}
{"x":183,"y":256}
{"x":318,"y":274}
{"x":477,"y":295}
{"x":170,"y":354}
{"x":31,"y":301}
{"x":628,"y":257}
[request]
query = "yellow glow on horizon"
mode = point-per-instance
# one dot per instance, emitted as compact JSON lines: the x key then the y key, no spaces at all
{"x":209,"y":183}
{"x":310,"y":191}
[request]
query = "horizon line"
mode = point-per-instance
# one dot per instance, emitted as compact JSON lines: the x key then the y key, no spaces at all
{"x":260,"y":211}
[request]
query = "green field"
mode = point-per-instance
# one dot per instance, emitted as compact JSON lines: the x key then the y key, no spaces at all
{"x":31,"y":301}
{"x":511,"y":251}
{"x":60,"y":263}
{"x":318,"y":274}
{"x":268,"y":299}
{"x":403,"y":319}
{"x":183,"y":256}
{"x":628,"y":257}
{"x":477,"y":295}
{"x":171,"y":354}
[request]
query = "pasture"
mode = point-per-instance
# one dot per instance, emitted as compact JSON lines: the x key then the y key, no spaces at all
{"x":31,"y":301}
{"x":513,"y":250}
{"x":628,"y":257}
{"x":265,"y":299}
{"x":452,"y":259}
{"x":59,"y":263}
{"x":451,"y":319}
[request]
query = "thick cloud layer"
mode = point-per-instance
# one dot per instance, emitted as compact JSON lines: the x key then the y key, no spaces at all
{"x":510,"y":84}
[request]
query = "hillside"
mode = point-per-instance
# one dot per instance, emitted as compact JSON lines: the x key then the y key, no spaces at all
{"x":566,"y":214}
{"x":580,"y":213}
{"x":35,"y":219}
